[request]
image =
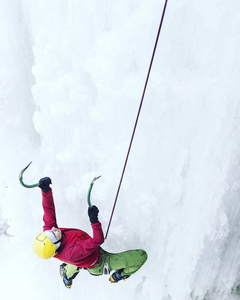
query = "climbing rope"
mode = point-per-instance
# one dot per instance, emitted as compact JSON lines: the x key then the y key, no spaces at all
{"x":138,"y":114}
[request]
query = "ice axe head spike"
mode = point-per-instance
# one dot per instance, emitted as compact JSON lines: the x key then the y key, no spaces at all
{"x":95,"y":178}
{"x":23,"y":170}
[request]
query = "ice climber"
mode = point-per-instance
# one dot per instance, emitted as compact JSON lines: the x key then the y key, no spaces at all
{"x":77,"y":250}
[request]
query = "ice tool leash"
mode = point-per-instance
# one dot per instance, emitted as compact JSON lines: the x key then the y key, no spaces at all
{"x":139,"y":110}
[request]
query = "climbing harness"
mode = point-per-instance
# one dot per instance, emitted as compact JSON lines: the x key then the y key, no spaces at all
{"x":139,"y":110}
{"x":105,"y":266}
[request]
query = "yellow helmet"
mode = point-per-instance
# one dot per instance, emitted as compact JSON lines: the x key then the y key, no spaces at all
{"x":43,"y":247}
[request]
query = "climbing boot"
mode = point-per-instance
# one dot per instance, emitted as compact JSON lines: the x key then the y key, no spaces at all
{"x":67,"y":282}
{"x":116,"y":276}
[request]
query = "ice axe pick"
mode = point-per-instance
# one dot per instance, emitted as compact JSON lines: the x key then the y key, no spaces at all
{"x":21,"y":179}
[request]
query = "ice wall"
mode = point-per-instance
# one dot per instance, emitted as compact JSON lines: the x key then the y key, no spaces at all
{"x":72,"y":74}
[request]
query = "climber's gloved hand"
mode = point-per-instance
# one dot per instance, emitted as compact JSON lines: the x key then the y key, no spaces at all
{"x":93,"y":214}
{"x":44,"y":184}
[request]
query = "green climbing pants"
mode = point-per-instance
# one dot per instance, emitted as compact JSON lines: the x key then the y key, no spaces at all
{"x":130,"y":261}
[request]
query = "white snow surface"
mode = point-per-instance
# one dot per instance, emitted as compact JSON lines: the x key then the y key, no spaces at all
{"x":71,"y":79}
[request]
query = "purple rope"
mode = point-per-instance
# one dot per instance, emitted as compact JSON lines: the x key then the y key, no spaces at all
{"x":136,"y":122}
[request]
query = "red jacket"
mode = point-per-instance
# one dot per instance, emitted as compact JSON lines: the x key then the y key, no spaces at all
{"x":77,"y":248}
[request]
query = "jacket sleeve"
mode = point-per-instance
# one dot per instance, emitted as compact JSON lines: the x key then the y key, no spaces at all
{"x":84,"y":248}
{"x":49,"y":215}
{"x":98,"y":237}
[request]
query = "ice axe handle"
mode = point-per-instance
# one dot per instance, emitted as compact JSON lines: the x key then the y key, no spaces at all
{"x":89,"y":191}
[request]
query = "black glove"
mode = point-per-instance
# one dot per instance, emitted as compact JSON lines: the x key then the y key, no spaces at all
{"x":93,"y":214}
{"x":44,"y":184}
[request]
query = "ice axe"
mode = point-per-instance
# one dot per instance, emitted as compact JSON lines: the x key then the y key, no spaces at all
{"x":21,"y":179}
{"x":90,"y":189}
{"x":37,"y":184}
